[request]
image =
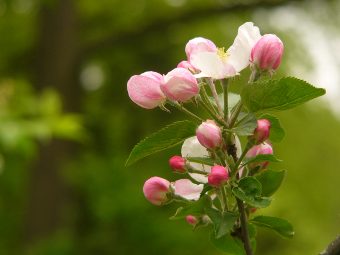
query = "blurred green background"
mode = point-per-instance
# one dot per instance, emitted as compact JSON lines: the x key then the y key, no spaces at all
{"x":67,"y":124}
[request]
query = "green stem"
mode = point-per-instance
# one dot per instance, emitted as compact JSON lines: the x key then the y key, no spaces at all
{"x":239,"y":161}
{"x":225,"y":95}
{"x":235,"y":114}
{"x":214,"y":93}
{"x":212,"y":114}
{"x":224,"y":197}
{"x":207,"y":100}
{"x":186,"y":111}
{"x":244,"y":227}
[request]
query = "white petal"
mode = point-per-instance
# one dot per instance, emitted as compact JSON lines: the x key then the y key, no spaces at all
{"x":211,"y":65}
{"x":192,"y":148}
{"x":247,"y":36}
{"x":187,"y":189}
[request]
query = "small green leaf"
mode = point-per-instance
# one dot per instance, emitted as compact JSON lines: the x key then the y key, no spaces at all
{"x":277,"y":133}
{"x":250,"y":186}
{"x":249,"y":190}
{"x":223,"y":222}
{"x":165,"y":138}
{"x":228,"y":244}
{"x":196,"y":208}
{"x":270,"y":181}
{"x":281,"y":226}
{"x":246,"y":125}
{"x":201,"y":160}
{"x":261,"y":158}
{"x":279,"y":94}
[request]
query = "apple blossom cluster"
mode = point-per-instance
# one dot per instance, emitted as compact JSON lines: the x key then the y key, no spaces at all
{"x":222,"y":184}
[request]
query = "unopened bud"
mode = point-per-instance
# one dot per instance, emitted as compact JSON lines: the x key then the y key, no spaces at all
{"x":180,"y":85}
{"x":218,"y":176}
{"x":192,"y":220}
{"x":186,"y":64}
{"x":209,"y":134}
{"x":177,"y":163}
{"x":262,"y":131}
{"x":260,"y":149}
{"x":145,"y":91}
{"x":156,"y":189}
{"x":267,"y":53}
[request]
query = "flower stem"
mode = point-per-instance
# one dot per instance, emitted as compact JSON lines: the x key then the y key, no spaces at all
{"x":235,"y":114}
{"x":239,"y":161}
{"x":212,"y":114}
{"x":214,"y":93}
{"x":186,"y":111}
{"x":226,"y":103}
{"x":244,"y":227}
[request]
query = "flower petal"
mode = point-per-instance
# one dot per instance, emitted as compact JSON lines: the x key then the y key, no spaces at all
{"x":187,"y":189}
{"x":192,"y":148}
{"x":212,"y":65}
{"x":239,"y":52}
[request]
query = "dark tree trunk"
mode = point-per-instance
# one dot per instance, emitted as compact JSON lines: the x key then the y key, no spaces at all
{"x":56,"y":68}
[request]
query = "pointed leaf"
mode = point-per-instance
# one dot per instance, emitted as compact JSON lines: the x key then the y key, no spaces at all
{"x":270,"y":181}
{"x":196,"y":208}
{"x":223,"y":222}
{"x":279,"y":94}
{"x":261,"y":158}
{"x":165,"y":138}
{"x":201,"y":160}
{"x":249,"y":190}
{"x":246,"y":125}
{"x":281,"y":226}
{"x":228,"y":244}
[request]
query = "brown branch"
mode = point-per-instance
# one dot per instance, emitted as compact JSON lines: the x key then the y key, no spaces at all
{"x":192,"y":15}
{"x":333,"y":248}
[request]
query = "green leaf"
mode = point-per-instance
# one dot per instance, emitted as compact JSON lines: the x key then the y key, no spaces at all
{"x":246,"y":125}
{"x":196,"y":208}
{"x":223,"y":222}
{"x":281,"y":226}
{"x":249,"y":190}
{"x":165,"y":138}
{"x":261,"y":158}
{"x":270,"y":181}
{"x":279,"y":94}
{"x":277,"y":133}
{"x":228,"y":244}
{"x":201,"y":160}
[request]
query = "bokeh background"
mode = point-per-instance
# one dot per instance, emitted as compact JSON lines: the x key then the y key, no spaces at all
{"x":67,"y":124}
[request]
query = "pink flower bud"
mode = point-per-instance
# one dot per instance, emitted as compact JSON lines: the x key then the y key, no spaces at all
{"x":186,"y":64}
{"x":267,"y":53}
{"x":262,"y":131}
{"x":199,"y":44}
{"x":192,"y":220}
{"x":218,"y":176}
{"x":145,"y":91}
{"x":261,"y":149}
{"x":209,"y":134}
{"x":155,"y":190}
{"x":180,"y":85}
{"x":177,"y":163}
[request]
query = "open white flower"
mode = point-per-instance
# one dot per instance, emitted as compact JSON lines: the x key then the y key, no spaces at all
{"x":221,"y":64}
